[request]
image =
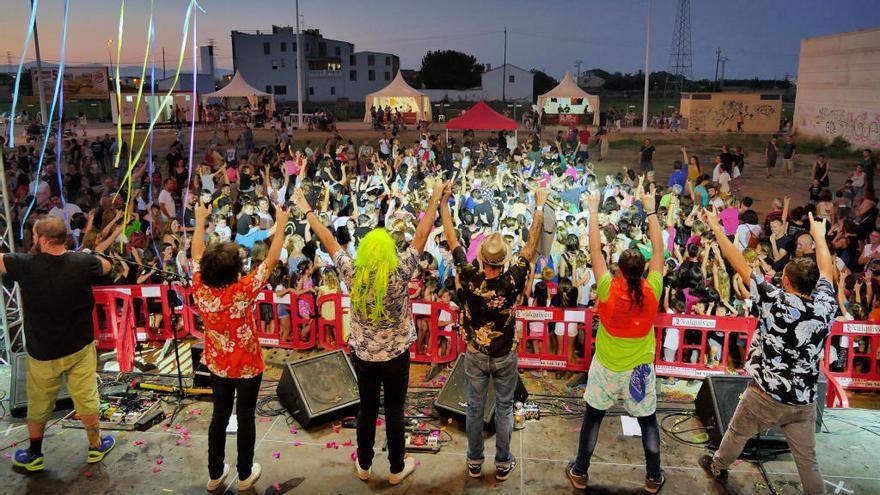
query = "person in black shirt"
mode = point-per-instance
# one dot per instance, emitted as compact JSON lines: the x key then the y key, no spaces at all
{"x":56,"y":289}
{"x":646,"y":157}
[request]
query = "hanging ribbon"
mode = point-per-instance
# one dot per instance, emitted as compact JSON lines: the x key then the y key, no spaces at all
{"x":27,"y":43}
{"x":150,"y":106}
{"x":192,"y":128}
{"x":119,"y":85}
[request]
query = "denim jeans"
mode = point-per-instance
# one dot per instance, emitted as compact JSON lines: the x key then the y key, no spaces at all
{"x":590,"y":433}
{"x":480,"y":368}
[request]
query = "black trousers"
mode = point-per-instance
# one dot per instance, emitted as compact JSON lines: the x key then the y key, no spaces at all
{"x":393,"y":375}
{"x":225,"y":391}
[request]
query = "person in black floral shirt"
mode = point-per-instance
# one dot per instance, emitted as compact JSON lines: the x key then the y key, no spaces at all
{"x":793,"y":323}
{"x":489,"y":296}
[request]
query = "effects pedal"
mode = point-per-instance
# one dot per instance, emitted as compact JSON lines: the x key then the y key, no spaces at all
{"x":421,"y":440}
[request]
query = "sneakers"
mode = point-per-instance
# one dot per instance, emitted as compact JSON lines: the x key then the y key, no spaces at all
{"x":503,"y":472}
{"x":720,"y":475}
{"x":653,"y":485}
{"x":26,"y":460}
{"x":475,"y":470}
{"x":215,"y":484}
{"x":409,"y":465}
{"x":248,"y":483}
{"x":579,"y":481}
{"x":363,"y":474}
{"x":98,"y":454}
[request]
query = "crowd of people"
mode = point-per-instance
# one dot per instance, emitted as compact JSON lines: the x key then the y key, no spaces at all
{"x":298,"y":217}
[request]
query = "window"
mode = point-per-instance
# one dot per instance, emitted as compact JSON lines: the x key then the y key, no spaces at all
{"x":337,"y":51}
{"x":267,"y":48}
{"x":352,"y":75}
{"x":322,"y":49}
{"x":294,"y":46}
{"x":371,"y":60}
{"x":352,"y":60}
{"x":269,"y":88}
{"x":371,"y":75}
{"x":511,"y":79}
{"x":332,"y":90}
{"x":311,"y":91}
{"x":387,"y":60}
{"x":387,"y":76}
{"x":281,"y":90}
{"x":283,"y":46}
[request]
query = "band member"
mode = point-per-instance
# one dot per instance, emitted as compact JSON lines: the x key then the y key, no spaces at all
{"x":793,"y":323}
{"x":225,"y":300}
{"x":625,"y":345}
{"x":56,"y":292}
{"x":382,"y":328}
{"x":489,"y":296}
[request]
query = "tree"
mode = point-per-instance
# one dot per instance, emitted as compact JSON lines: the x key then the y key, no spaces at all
{"x":543,"y":83}
{"x":449,"y":69}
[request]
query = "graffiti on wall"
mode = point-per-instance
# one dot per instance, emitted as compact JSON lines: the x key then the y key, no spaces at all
{"x":856,"y":127}
{"x":724,"y":115}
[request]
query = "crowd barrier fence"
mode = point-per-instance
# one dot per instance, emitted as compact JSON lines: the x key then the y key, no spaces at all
{"x":852,"y":352}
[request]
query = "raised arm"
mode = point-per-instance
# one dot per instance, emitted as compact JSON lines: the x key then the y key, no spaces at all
{"x":198,"y":242}
{"x":423,"y":230}
{"x":531,"y":249}
{"x":446,"y":217}
{"x":730,"y":252}
{"x":281,"y":216}
{"x":324,"y":235}
{"x":595,"y":237}
{"x":650,"y":206}
{"x":823,"y":255}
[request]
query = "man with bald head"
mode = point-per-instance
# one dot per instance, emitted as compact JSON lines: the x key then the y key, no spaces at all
{"x":56,"y":290}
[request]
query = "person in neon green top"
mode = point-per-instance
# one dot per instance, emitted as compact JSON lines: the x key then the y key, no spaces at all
{"x":625,"y":345}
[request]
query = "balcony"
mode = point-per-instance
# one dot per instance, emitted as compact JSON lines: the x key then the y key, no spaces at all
{"x":327,"y":74}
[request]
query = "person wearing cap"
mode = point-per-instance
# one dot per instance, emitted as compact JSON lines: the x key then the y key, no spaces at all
{"x":489,"y":296}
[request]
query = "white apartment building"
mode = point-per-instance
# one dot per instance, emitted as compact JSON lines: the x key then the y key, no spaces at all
{"x":331,"y":68}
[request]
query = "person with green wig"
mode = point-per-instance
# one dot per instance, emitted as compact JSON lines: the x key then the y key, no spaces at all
{"x":382,"y":329}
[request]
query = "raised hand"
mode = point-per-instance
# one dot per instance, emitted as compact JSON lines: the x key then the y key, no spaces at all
{"x":710,"y":217}
{"x":299,"y":199}
{"x":541,"y":196}
{"x":281,"y":216}
{"x":593,"y":201}
{"x":649,"y":201}
{"x":817,"y":227}
{"x":202,"y":212}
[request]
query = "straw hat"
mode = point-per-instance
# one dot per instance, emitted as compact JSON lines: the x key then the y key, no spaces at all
{"x":494,"y":250}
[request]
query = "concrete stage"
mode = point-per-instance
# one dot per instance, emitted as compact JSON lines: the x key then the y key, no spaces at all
{"x":847,"y":452}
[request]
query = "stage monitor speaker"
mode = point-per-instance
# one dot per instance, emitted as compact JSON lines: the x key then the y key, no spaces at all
{"x":717,"y":400}
{"x":18,"y":389}
{"x":452,"y":399}
{"x":201,"y":373}
{"x":319,"y":389}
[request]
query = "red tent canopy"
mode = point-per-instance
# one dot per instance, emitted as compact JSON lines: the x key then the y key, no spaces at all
{"x":481,"y":117}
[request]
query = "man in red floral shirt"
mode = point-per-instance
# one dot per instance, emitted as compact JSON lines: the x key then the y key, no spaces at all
{"x":232,"y":350}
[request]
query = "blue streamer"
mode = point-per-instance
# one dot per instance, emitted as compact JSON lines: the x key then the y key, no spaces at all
{"x":58,"y":84}
{"x":192,"y":126}
{"x":27,"y":43}
{"x":152,"y":109}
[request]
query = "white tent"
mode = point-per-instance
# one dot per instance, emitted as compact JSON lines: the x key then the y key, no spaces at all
{"x":400,"y":95}
{"x":568,"y":89}
{"x":239,"y":88}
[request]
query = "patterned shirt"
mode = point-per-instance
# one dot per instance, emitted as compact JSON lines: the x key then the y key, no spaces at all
{"x":789,"y":340}
{"x":489,"y":304}
{"x":387,"y":339}
{"x":232,"y":349}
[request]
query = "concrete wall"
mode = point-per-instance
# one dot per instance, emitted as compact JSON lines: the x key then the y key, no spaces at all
{"x":838,"y":88}
{"x":718,"y":111}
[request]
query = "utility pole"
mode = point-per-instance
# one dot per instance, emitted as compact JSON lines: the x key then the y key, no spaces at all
{"x":724,"y":61}
{"x":647,"y":68}
{"x":577,"y":65}
{"x":504,"y":70}
{"x":717,"y":64}
{"x":163,"y":62}
{"x":43,"y":115}
{"x":299,"y":91}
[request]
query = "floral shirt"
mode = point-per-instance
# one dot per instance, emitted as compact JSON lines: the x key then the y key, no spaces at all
{"x":488,"y":306}
{"x":785,"y":351}
{"x":232,"y":349}
{"x":387,"y":339}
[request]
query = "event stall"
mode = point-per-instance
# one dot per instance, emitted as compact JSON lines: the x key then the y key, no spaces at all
{"x":414,"y":105}
{"x":239,"y":89}
{"x":568,"y":104}
{"x":481,"y":117}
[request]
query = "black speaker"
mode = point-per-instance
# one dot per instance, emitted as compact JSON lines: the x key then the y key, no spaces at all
{"x":319,"y":389}
{"x":452,"y":399}
{"x":201,"y":373}
{"x":717,"y":400}
{"x":18,"y":389}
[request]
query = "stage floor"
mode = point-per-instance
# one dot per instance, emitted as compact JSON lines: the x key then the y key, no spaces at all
{"x":302,"y":462}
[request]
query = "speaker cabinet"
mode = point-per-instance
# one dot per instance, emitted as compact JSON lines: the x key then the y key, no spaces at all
{"x":18,"y":389}
{"x":320,"y":388}
{"x":717,"y":400}
{"x":452,"y":399}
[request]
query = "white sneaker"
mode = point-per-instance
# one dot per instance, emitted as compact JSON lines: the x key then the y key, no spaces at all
{"x":363,"y":474}
{"x":215,"y":484}
{"x":409,"y":465}
{"x":251,"y":480}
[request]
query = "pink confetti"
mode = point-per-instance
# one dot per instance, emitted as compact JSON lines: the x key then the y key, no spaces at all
{"x":296,"y":444}
{"x":265,"y":420}
{"x":380,"y":422}
{"x":197,"y":412}
{"x":156,"y":469}
{"x":347,"y":444}
{"x":177,"y":426}
{"x":88,"y":474}
{"x":277,"y":487}
{"x":293,"y":430}
{"x":159,"y":460}
{"x":354,"y":455}
{"x":737,"y":462}
{"x":165,"y":428}
{"x":418,"y":463}
{"x":276,"y":454}
{"x":185,"y":432}
{"x":138,"y":443}
{"x":14,"y":444}
{"x":178,"y":442}
{"x":7,"y":455}
{"x":574,"y":430}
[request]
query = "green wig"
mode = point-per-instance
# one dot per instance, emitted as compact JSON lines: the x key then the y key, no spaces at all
{"x":375,"y":262}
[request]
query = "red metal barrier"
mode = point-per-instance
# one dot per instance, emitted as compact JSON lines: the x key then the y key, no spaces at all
{"x":116,"y":331}
{"x":334,"y":321}
{"x":287,"y":321}
{"x":539,"y":327}
{"x":856,"y":347}
{"x":427,"y":317}
{"x":152,"y":311}
{"x":701,"y":345}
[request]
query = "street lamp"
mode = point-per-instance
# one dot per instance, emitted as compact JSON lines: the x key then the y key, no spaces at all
{"x":109,"y":55}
